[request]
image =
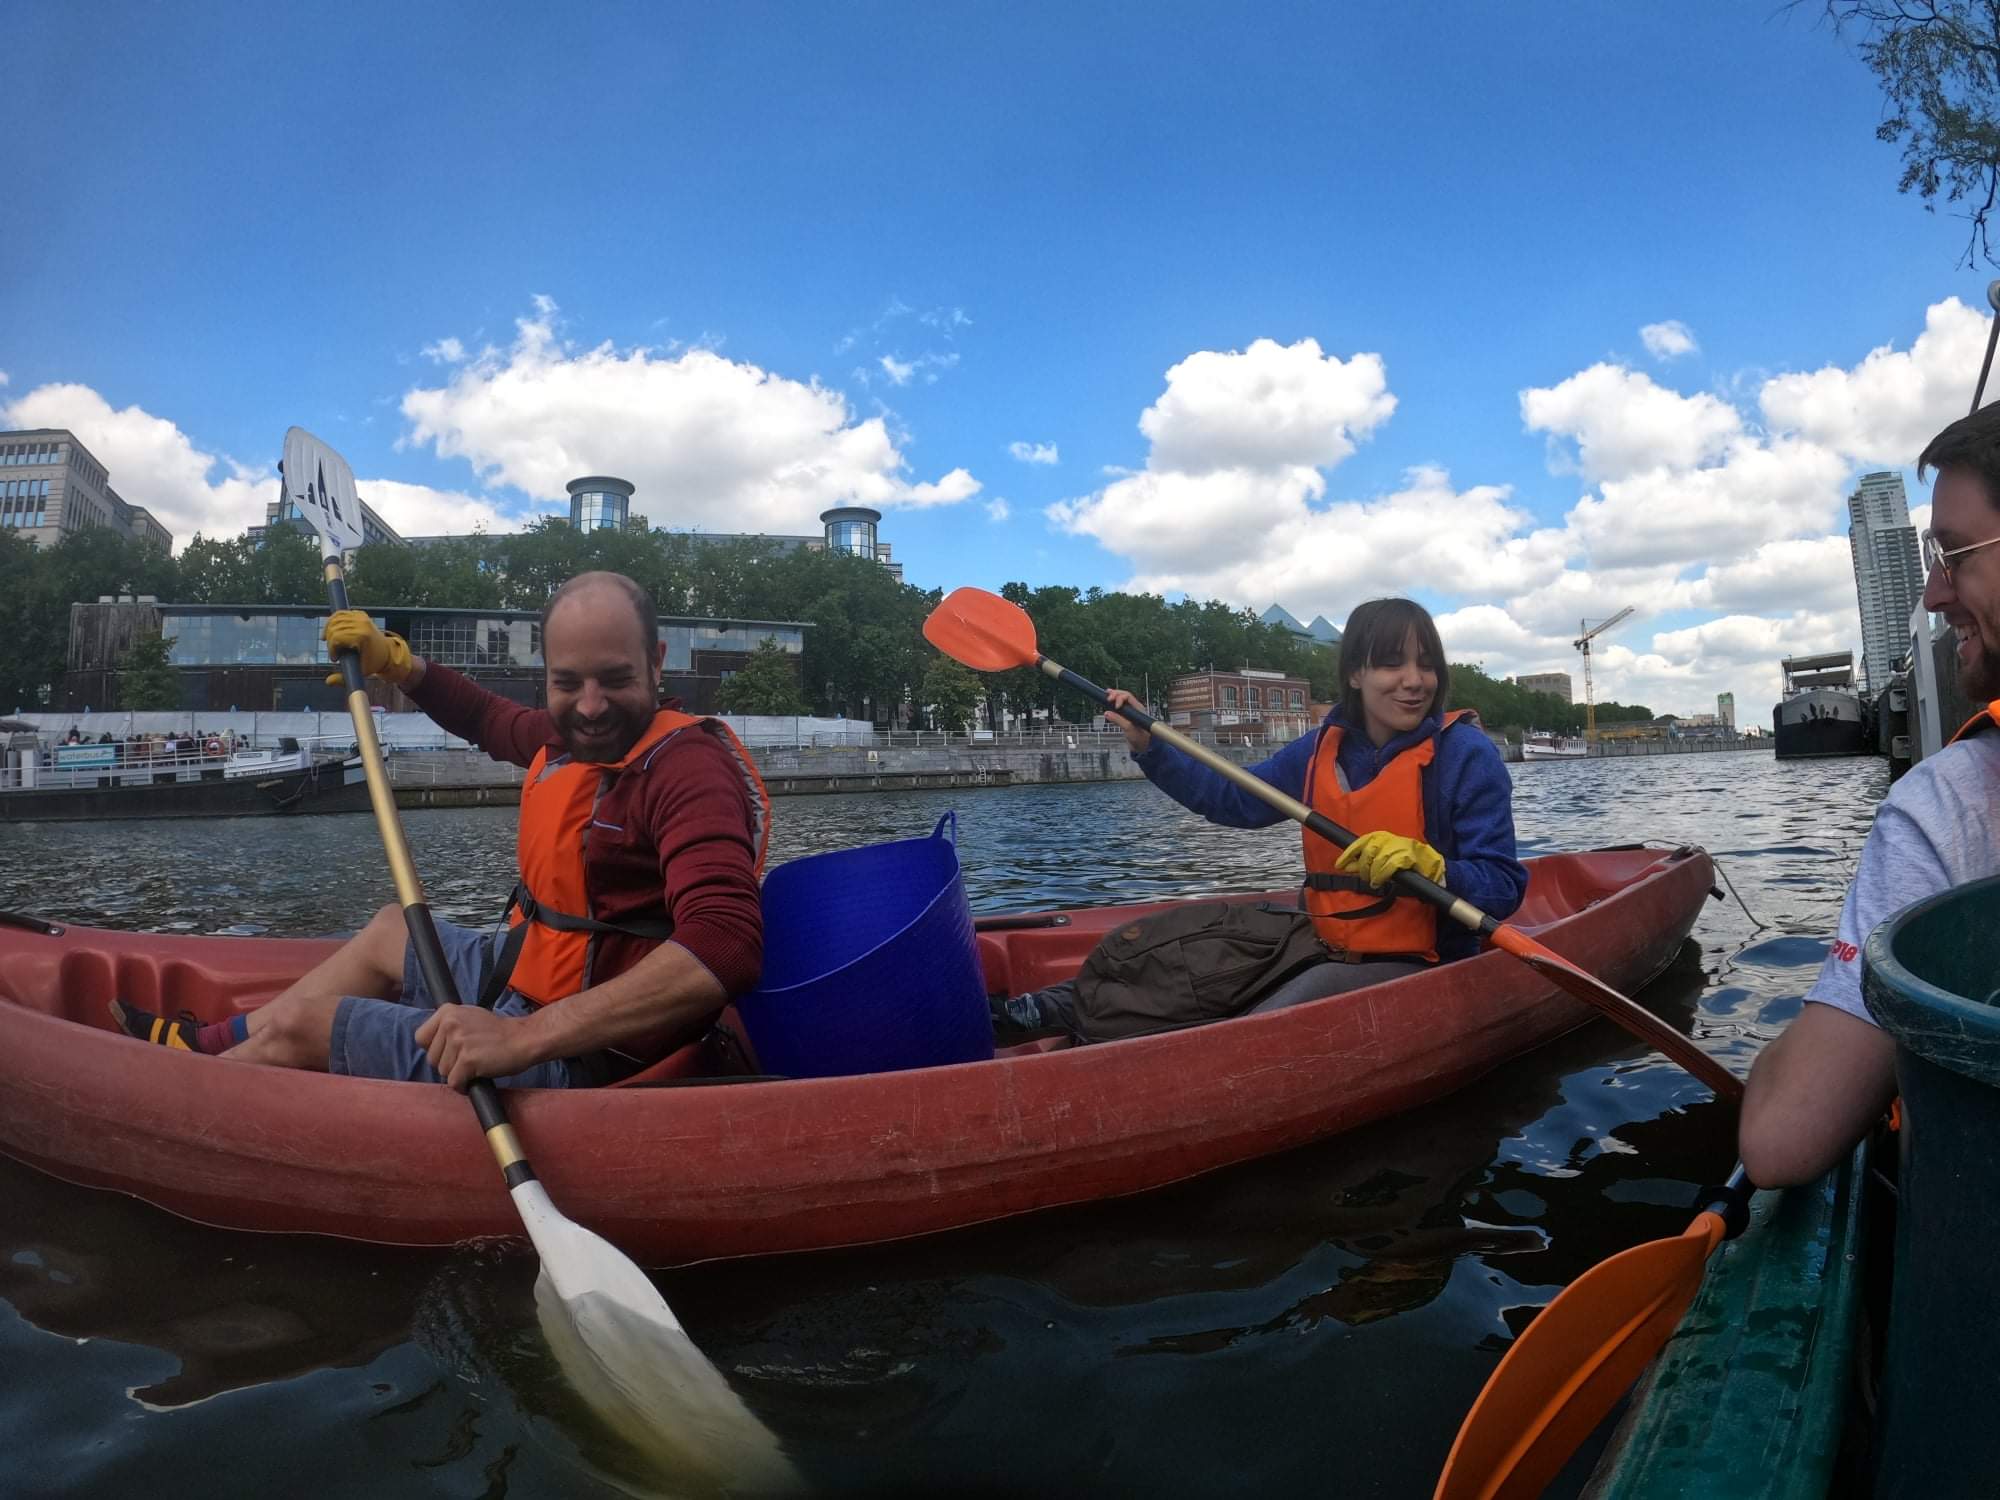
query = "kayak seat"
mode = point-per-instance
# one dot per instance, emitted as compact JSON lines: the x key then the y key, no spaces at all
{"x":77,"y":983}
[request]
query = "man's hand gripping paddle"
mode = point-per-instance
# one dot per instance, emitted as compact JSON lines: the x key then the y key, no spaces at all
{"x":610,"y":1328}
{"x":990,"y":634}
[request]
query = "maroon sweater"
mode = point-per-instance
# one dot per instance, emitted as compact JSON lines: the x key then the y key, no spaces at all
{"x":673,"y":840}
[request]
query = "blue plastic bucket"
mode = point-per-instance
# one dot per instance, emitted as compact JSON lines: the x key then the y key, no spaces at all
{"x":870,"y":964}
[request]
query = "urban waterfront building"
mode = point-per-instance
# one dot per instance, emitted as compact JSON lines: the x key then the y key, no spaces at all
{"x":1725,"y":710}
{"x":264,"y":656}
{"x":284,"y":509}
{"x":1556,"y":684}
{"x":1250,"y":703}
{"x":1888,"y":579}
{"x":598,"y":502}
{"x":51,"y":485}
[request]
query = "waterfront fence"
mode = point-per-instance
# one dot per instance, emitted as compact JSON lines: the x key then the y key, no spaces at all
{"x":415,"y":732}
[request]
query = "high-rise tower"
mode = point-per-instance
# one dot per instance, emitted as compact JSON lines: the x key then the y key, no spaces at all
{"x":1887,"y":578}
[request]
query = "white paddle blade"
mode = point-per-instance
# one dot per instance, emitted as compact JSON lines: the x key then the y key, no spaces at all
{"x":319,"y":483}
{"x":628,"y":1358}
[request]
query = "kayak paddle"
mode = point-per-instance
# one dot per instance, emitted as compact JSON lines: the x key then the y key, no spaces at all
{"x":991,"y":634}
{"x":1580,"y":1355}
{"x":611,"y":1330}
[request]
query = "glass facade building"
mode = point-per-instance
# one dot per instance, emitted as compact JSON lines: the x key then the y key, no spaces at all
{"x":271,"y":656}
{"x":600,"y":502}
{"x":851,"y":529}
{"x":286,"y":509}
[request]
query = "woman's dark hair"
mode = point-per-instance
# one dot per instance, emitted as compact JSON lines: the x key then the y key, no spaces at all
{"x":1375,"y":635}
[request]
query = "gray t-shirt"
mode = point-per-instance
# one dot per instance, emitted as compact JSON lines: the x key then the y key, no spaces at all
{"x":1936,"y":829}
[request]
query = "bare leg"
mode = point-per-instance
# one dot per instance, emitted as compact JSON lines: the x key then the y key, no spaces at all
{"x":294,"y":1030}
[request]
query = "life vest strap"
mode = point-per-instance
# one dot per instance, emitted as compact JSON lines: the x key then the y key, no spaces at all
{"x":559,"y":921}
{"x":562,"y":921}
{"x":1353,"y":885}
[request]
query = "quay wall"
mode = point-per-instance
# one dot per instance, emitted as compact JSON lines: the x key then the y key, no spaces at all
{"x":423,"y":778}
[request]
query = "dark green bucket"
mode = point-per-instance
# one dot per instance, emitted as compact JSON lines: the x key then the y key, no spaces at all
{"x":1931,"y":975}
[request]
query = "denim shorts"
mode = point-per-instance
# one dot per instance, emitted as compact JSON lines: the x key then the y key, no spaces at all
{"x":378,"y":1038}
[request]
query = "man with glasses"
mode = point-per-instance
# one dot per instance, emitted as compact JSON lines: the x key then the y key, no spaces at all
{"x":1820,"y":1087}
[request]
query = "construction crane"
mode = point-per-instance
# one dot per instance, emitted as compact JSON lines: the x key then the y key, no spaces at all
{"x":1582,"y":643}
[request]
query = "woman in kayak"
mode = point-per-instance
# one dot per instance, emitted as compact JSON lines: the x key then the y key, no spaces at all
{"x":1424,"y":789}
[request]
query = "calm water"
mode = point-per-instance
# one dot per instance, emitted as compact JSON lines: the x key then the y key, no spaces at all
{"x":1311,"y":1324}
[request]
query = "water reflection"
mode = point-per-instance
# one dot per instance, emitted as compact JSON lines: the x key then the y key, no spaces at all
{"x":1311,"y":1323}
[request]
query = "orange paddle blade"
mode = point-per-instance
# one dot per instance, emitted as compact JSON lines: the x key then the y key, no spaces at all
{"x":1629,"y":1014}
{"x":982,"y":630}
{"x":1582,"y":1352}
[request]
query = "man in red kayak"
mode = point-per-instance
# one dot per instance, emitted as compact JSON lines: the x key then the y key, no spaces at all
{"x":1820,"y":1087}
{"x":637,"y":917}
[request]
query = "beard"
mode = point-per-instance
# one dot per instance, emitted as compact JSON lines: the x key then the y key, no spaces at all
{"x":604,"y":739}
{"x":1979,"y":679}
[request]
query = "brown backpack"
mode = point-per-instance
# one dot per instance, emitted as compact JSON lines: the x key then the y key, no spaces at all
{"x":1189,"y":966}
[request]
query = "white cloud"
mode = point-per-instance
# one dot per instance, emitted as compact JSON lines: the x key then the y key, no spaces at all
{"x":709,"y":441}
{"x":1624,"y":424}
{"x":151,"y":462}
{"x":998,"y":510}
{"x":1814,"y":573}
{"x":3,"y":377}
{"x":930,"y":366}
{"x":1035,"y":453}
{"x":419,"y":510}
{"x":1270,"y":406}
{"x":1885,"y":409}
{"x":445,"y":352}
{"x":1688,"y":514}
{"x":1718,"y":516}
{"x":1668,"y":340}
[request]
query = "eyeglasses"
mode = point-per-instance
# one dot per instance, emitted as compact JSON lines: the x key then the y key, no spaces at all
{"x":1937,"y":555}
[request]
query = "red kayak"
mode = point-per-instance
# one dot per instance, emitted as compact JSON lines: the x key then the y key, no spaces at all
{"x":673,"y":1173}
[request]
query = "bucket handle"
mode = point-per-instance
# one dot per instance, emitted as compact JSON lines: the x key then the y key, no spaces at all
{"x":950,"y":817}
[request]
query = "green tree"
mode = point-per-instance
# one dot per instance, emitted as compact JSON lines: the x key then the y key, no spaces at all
{"x":767,"y":683}
{"x":950,"y":693}
{"x":286,"y":569}
{"x":146,"y":678}
{"x":37,"y":587}
{"x":1938,"y":62}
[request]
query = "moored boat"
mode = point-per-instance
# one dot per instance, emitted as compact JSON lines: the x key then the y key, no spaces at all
{"x":1837,"y":1348}
{"x":87,"y":782}
{"x":1754,"y":1397}
{"x":1536,"y":745}
{"x":1820,"y":713}
{"x":673,"y":1172}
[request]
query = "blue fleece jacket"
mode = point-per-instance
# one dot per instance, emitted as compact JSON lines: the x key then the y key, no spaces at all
{"x":1468,"y":806}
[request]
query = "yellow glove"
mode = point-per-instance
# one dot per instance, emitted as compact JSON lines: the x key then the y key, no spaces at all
{"x":382,"y":654}
{"x":1376,"y":857}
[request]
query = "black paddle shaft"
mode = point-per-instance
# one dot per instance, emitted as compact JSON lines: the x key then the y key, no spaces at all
{"x":421,"y":926}
{"x":1411,"y":882}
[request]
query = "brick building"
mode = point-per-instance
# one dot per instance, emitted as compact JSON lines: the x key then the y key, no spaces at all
{"x":1249,"y":704}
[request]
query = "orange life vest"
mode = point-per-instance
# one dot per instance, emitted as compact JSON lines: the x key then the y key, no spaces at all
{"x":558,"y":800}
{"x":1350,"y":915}
{"x":1986,"y":718}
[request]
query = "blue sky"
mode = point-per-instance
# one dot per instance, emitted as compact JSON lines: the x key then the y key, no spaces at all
{"x":765,"y":258}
